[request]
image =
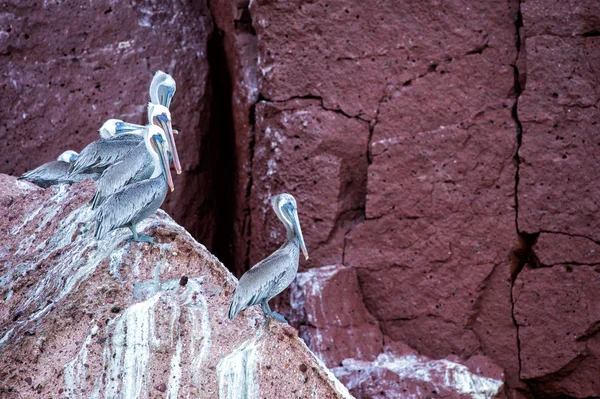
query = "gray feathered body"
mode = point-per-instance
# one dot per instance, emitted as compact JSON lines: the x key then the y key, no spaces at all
{"x":135,"y":166}
{"x":267,"y":278}
{"x":131,"y":204}
{"x":104,"y":152}
{"x":55,"y":172}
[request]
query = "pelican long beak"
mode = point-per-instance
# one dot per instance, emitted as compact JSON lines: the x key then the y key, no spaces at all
{"x":296,"y":225}
{"x":126,"y":127}
{"x":164,"y":162}
{"x":165,"y":123}
{"x":165,"y":94}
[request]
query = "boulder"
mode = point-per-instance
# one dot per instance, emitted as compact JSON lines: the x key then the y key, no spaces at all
{"x":84,"y":318}
{"x":399,"y":372}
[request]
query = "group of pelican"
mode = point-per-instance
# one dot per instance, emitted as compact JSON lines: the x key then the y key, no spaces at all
{"x":129,"y":162}
{"x":131,"y":166}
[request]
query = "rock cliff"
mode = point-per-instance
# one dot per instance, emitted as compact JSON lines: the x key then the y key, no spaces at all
{"x":81,"y":318}
{"x":444,"y":156}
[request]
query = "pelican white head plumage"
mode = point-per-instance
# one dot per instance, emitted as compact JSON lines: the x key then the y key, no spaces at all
{"x":162,"y":88}
{"x":113,"y":127}
{"x":160,"y":116}
{"x":68,"y":156}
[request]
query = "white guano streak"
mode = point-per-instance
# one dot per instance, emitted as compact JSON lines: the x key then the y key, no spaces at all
{"x":235,"y":372}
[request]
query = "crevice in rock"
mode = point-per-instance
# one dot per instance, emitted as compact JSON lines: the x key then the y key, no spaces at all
{"x":248,"y":216}
{"x":520,"y":255}
{"x":478,"y":49}
{"x":592,"y":33}
{"x":221,"y":143}
{"x":261,"y":97}
{"x":570,"y":235}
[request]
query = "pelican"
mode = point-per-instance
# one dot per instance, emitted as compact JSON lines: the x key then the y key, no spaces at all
{"x":272,"y":275}
{"x":55,"y":172}
{"x":162,"y":89}
{"x":136,"y":165}
{"x":98,"y":155}
{"x":160,"y":115}
{"x":137,"y":201}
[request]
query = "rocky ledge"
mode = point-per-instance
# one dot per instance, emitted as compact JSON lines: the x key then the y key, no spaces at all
{"x":82,"y":318}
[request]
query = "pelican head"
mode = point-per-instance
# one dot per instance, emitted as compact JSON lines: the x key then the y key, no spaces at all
{"x":157,"y":145}
{"x":160,"y":116}
{"x":112,"y":127}
{"x":69,"y":156}
{"x":162,"y":88}
{"x":285,"y":208}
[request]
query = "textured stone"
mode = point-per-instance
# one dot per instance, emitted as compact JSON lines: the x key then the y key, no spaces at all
{"x":82,"y":317}
{"x":400,"y":372}
{"x":319,"y":157}
{"x":558,"y":316}
{"x":558,"y":185}
{"x":328,"y":309}
{"x":380,"y":46}
{"x":560,"y":18}
{"x":553,"y":249}
{"x":68,"y":66}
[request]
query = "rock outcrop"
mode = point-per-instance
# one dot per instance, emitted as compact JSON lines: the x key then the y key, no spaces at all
{"x":81,"y":318}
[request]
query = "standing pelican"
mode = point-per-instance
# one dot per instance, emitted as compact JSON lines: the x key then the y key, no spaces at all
{"x":100,"y":154}
{"x":272,"y":275}
{"x":137,"y":201}
{"x":56,"y":172}
{"x":162,"y":89}
{"x":136,"y":165}
{"x":160,"y":115}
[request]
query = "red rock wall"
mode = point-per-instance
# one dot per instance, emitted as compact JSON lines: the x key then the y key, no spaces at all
{"x":397,"y":127}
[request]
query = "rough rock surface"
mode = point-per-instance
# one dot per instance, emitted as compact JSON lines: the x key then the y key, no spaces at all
{"x":399,"y":372}
{"x":83,"y":319}
{"x":68,"y":66}
{"x":335,"y":329}
{"x":559,"y":109}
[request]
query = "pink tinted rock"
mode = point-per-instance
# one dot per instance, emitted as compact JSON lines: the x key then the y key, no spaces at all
{"x":331,"y":316}
{"x":319,"y":157}
{"x":558,"y":316}
{"x":82,"y":317}
{"x":409,"y":375}
{"x":423,"y":256}
{"x":67,"y":67}
{"x":558,"y":183}
{"x":552,"y":249}
{"x":350,"y":52}
{"x":560,"y":18}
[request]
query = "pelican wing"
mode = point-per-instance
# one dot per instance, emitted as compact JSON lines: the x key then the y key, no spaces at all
{"x":102,"y":153}
{"x":125,"y":205}
{"x":258,"y":283}
{"x":47,"y":174}
{"x":124,"y":172}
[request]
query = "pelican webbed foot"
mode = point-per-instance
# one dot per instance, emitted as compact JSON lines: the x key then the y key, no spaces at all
{"x":139,"y":237}
{"x":269,"y":313}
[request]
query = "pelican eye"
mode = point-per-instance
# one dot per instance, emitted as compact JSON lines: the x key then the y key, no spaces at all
{"x":163,"y":118}
{"x":119,"y":126}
